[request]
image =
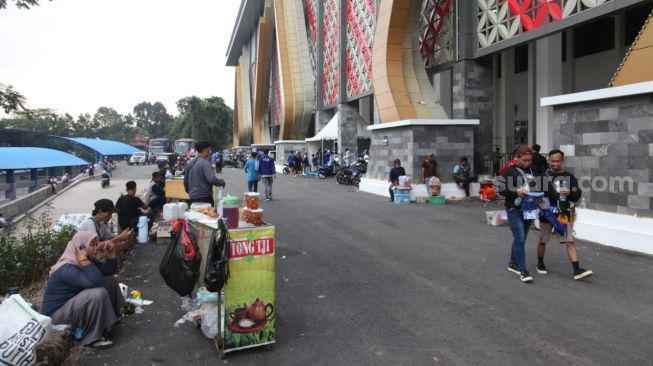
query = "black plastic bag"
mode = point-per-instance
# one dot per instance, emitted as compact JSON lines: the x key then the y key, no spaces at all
{"x":180,"y":265}
{"x":217,"y":263}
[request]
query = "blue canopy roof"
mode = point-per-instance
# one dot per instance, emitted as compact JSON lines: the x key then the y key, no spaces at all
{"x":104,"y":147}
{"x":35,"y":157}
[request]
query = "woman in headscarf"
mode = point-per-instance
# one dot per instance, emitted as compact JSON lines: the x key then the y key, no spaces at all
{"x":97,"y":224}
{"x":81,"y":290}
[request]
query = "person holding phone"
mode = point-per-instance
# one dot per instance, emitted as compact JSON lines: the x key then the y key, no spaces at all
{"x":81,"y":291}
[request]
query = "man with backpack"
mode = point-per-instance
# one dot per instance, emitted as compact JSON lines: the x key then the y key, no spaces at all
{"x":199,"y":177}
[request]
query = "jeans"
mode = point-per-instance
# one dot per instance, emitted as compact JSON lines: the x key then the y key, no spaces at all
{"x":426,"y":183}
{"x":252,"y":185}
{"x":268,"y":186}
{"x":519,"y":228}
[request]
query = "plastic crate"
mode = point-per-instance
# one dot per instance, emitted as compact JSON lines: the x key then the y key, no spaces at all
{"x":402,"y":196}
{"x":437,"y":200}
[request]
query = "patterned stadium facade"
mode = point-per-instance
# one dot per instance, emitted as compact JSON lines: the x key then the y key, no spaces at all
{"x":300,"y":62}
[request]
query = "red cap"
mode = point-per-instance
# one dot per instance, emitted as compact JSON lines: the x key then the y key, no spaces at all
{"x":523,"y":150}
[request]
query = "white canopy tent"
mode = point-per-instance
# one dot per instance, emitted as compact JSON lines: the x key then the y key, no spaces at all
{"x":327,"y":133}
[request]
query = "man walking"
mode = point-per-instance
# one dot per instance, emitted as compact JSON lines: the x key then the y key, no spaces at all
{"x":267,"y":172}
{"x":200,"y":176}
{"x":515,"y":183}
{"x":565,"y":194}
{"x":252,"y":174}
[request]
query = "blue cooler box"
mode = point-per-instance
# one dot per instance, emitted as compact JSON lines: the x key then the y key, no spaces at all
{"x":402,"y":196}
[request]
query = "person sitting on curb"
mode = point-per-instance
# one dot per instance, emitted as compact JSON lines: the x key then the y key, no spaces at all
{"x":396,"y":172}
{"x":97,"y":224}
{"x":462,"y":174}
{"x":156,"y":195}
{"x":82,"y":292}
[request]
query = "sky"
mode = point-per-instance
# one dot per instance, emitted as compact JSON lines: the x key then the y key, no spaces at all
{"x":75,"y":56}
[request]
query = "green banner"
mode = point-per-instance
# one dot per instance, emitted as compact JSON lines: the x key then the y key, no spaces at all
{"x":249,"y":293}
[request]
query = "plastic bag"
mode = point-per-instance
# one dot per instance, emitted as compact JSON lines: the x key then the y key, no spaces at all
{"x":180,"y":264}
{"x":216,"y":272}
{"x":209,"y":311}
{"x":22,"y":330}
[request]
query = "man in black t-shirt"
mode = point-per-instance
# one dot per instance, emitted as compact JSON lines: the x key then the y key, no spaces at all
{"x":128,"y":206}
{"x":396,"y":172}
{"x":429,"y":169}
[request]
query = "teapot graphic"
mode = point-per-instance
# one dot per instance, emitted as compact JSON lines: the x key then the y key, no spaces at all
{"x":258,"y":311}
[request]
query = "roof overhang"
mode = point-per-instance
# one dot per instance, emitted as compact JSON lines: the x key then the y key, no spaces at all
{"x":248,"y":14}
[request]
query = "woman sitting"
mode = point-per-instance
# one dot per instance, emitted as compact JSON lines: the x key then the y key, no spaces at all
{"x":82,"y":291}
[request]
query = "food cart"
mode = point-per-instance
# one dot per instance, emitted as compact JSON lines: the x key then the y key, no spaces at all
{"x":246,"y":312}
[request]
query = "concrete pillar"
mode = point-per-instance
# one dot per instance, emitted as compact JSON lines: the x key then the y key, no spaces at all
{"x":34,"y":179}
{"x":548,"y":83}
{"x":473,"y":90}
{"x":347,"y":129}
{"x":10,"y":180}
{"x":69,"y":171}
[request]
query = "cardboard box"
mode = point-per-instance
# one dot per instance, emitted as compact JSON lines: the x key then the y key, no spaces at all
{"x":163,"y":233}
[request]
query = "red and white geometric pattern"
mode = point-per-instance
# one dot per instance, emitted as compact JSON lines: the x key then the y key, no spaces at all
{"x":361,"y":15}
{"x":330,"y":52}
{"x":436,"y":38}
{"x":310,"y":10}
{"x":499,"y":20}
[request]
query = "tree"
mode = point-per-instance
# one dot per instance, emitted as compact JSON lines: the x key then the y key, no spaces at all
{"x":20,"y":4}
{"x":153,"y":118}
{"x":11,"y":100}
{"x":203,"y":119}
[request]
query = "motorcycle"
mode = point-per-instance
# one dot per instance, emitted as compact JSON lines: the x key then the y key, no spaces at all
{"x":105,"y":180}
{"x":286,"y":168}
{"x":352,"y":174}
{"x":328,"y":170}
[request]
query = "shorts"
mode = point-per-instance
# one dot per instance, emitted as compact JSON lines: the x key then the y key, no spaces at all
{"x":545,"y":233}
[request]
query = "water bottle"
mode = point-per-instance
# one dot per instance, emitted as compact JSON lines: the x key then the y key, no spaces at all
{"x":562,"y":185}
{"x":78,"y":333}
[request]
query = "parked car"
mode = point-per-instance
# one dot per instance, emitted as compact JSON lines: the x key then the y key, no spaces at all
{"x":138,"y":158}
{"x":162,"y":158}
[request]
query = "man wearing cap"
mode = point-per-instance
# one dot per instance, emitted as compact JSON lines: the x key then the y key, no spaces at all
{"x":156,"y":195}
{"x":514,"y":185}
{"x":396,"y":172}
{"x":97,"y":224}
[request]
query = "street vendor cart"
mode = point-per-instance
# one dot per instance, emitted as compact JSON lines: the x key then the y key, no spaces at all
{"x":246,"y":315}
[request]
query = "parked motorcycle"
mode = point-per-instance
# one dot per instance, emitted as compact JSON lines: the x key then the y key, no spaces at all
{"x":328,"y":170}
{"x":286,"y":168}
{"x":352,"y":174}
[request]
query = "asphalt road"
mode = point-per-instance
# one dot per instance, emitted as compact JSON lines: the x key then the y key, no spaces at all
{"x":361,"y":281}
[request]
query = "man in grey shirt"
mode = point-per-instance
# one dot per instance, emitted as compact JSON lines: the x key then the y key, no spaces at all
{"x":201,"y":177}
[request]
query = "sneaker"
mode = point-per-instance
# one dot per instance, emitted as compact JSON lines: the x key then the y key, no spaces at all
{"x":541,"y":268}
{"x":267,"y":198}
{"x":525,"y":277}
{"x":512,"y":267}
{"x":582,"y":273}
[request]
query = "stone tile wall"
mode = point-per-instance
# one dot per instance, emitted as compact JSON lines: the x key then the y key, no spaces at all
{"x":472,"y":99}
{"x":411,"y":144}
{"x":283,"y":149}
{"x":607,"y":141}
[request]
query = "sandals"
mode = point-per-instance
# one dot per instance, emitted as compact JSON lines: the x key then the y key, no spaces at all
{"x":101,"y":343}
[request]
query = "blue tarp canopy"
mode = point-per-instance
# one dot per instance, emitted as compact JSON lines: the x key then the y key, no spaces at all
{"x":12,"y":158}
{"x":104,"y":147}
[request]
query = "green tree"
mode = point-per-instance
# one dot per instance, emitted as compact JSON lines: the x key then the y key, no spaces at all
{"x":153,"y":118}
{"x":203,"y":119}
{"x":20,"y":4}
{"x":40,"y":120}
